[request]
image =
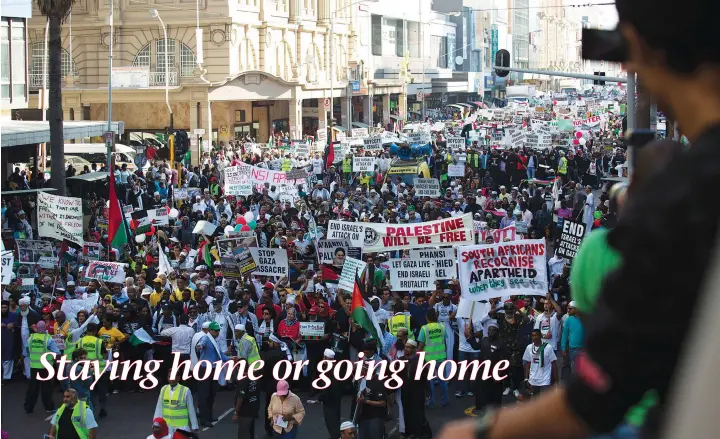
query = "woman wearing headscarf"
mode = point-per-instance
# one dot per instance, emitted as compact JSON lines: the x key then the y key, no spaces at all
{"x":159,"y":429}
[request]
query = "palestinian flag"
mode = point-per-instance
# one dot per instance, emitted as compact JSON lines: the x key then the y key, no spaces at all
{"x":141,"y":336}
{"x":203,"y":255}
{"x":117,"y":234}
{"x":330,"y":273}
{"x":142,"y":222}
{"x":363,"y":314}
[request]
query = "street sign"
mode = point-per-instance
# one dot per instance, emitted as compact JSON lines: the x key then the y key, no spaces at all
{"x":326,"y":104}
{"x":109,"y":139}
{"x":419,"y":96}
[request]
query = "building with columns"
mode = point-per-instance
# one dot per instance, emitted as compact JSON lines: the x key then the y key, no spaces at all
{"x":257,"y":65}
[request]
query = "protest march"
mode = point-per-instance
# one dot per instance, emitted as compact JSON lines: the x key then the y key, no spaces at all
{"x":442,"y":240}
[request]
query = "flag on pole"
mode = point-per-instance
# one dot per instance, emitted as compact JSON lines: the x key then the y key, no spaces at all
{"x":203,"y":255}
{"x":363,"y":314}
{"x":164,"y":264}
{"x":117,"y":235}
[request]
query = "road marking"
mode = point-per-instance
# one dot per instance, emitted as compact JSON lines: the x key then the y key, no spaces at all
{"x":393,"y":430}
{"x":469,"y":412}
{"x":220,"y":418}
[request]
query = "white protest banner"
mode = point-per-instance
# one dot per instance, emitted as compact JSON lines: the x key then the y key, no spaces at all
{"x":106,"y":271}
{"x":260,"y":176}
{"x":545,"y":141}
{"x":270,"y":261}
{"x":444,"y":258}
{"x":159,"y":217}
{"x":455,"y":143}
{"x":353,"y":232}
{"x":72,"y":306}
{"x":517,"y":138}
{"x":417,"y":137}
{"x":497,"y":270}
{"x":373,"y":144}
{"x":301,"y":149}
{"x":351,"y":268}
{"x":427,"y":187}
{"x":532,"y":140}
{"x":570,"y":239}
{"x":364,"y":164}
{"x":412,"y":274}
{"x":60,"y":217}
{"x":359,"y":132}
{"x":333,"y":251}
{"x":312,"y":330}
{"x":456,"y":170}
{"x":321,"y":136}
{"x":204,"y":228}
{"x":469,"y":309}
{"x":238,"y":180}
{"x":499,"y":235}
{"x":444,"y":232}
{"x":8,"y":258}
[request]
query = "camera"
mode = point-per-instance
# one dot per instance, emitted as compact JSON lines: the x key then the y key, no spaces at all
{"x":604,"y":45}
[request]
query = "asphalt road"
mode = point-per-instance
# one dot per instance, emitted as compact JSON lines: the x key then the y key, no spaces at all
{"x":130,"y":415}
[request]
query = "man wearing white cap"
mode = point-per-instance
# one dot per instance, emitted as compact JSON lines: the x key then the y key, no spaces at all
{"x":331,"y":399}
{"x":245,"y":345}
{"x":28,"y":320}
{"x":347,"y":430}
{"x":196,"y":338}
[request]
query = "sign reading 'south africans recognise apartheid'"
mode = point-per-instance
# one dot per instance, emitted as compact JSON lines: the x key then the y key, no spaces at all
{"x":364,"y":164}
{"x":496,"y":270}
{"x":60,"y":217}
{"x":412,"y":274}
{"x":238,"y":180}
{"x":270,"y":261}
{"x":570,"y":239}
{"x":444,"y":232}
{"x":106,"y":271}
{"x":351,"y":268}
{"x":427,"y":187}
{"x":444,"y":259}
{"x":373,"y":144}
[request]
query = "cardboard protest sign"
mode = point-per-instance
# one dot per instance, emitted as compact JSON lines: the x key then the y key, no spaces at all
{"x":456,"y":170}
{"x":321,"y":136}
{"x":359,"y":133}
{"x":353,"y":232}
{"x":444,"y":232}
{"x":570,"y":238}
{"x":270,"y":261}
{"x":417,"y":137}
{"x":497,"y":270}
{"x":238,"y":180}
{"x":30,"y":251}
{"x":8,"y":258}
{"x":72,"y":306}
{"x":373,"y":144}
{"x":235,"y":256}
{"x":333,"y":251}
{"x":364,"y":164}
{"x":412,"y":274}
{"x":296,"y":174}
{"x":455,"y":143}
{"x":106,"y":271}
{"x":427,"y":187}
{"x":204,"y":228}
{"x":159,"y":216}
{"x":60,"y":217}
{"x":351,"y":268}
{"x":444,"y":258}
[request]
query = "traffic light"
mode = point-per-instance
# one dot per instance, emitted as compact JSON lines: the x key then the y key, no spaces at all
{"x":598,"y":81}
{"x":502,"y":59}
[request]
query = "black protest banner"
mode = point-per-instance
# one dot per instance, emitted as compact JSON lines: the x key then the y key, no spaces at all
{"x":570,"y":239}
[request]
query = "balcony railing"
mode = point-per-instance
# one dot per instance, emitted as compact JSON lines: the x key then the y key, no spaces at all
{"x":157,"y":79}
{"x":36,"y":81}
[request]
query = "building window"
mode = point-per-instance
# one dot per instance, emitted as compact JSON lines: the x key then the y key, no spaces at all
{"x":187,"y":61}
{"x":376,"y":35}
{"x":18,"y":61}
{"x":439,"y":51}
{"x":5,"y":60}
{"x":165,"y":55}
{"x":174,"y":50}
{"x":142,"y":59}
{"x":39,"y":60}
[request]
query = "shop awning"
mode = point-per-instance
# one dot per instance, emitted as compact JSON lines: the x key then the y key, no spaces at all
{"x":465,"y":105}
{"x":93,"y":176}
{"x":360,"y":125}
{"x":459,"y":107}
{"x":26,"y":192}
{"x":19,"y":132}
{"x":339,"y":128}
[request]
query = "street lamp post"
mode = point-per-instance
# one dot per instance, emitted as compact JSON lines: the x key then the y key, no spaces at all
{"x":110,"y":64}
{"x":154,"y":14}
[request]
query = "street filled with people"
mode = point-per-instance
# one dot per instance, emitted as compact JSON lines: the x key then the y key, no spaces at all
{"x":453,"y":237}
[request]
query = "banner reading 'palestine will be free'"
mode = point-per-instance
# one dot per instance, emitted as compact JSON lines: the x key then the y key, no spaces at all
{"x":385,"y":237}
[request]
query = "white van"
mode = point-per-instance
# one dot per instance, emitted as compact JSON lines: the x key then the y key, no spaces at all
{"x":97,"y":153}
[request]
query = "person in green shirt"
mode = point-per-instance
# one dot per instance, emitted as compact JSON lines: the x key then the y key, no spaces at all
{"x":595,"y":260}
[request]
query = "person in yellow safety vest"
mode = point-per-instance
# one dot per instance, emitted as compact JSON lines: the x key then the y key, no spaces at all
{"x":347,"y":167}
{"x":39,"y":344}
{"x":562,"y":167}
{"x":175,"y":405}
{"x":245,"y":345}
{"x":76,"y":414}
{"x":431,"y":340}
{"x":400,"y":319}
{"x":95,"y":349}
{"x":286,"y":164}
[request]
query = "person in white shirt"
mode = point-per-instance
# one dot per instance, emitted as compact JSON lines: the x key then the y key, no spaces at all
{"x":181,"y":337}
{"x":555,"y":266}
{"x":589,"y":210}
{"x":189,"y":403}
{"x":540,"y":365}
{"x":549,"y":323}
{"x":465,"y":351}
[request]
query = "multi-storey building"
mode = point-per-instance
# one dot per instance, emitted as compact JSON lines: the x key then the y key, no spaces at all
{"x":14,"y":55}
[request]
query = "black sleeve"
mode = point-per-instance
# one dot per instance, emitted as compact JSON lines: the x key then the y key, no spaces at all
{"x":634,"y":337}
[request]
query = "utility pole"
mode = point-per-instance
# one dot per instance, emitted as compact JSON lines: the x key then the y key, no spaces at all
{"x":643,"y":107}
